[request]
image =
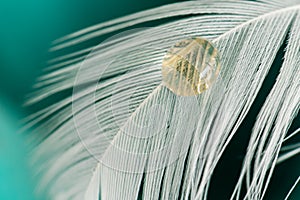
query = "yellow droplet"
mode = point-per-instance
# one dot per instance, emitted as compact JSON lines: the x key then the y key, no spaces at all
{"x":190,"y":67}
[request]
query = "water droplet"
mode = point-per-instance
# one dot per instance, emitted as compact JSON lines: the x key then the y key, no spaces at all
{"x":190,"y":67}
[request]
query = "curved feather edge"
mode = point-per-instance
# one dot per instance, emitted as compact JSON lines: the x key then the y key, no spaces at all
{"x":242,"y":79}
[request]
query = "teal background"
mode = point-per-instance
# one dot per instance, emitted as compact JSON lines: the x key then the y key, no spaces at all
{"x":27,"y":30}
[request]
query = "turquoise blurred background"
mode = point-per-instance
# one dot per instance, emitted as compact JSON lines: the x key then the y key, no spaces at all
{"x":27,"y":29}
{"x":15,"y":179}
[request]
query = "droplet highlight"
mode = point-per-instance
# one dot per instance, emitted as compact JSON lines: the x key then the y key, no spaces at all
{"x":190,"y":67}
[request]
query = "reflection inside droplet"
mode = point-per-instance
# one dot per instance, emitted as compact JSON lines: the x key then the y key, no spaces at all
{"x":190,"y":67}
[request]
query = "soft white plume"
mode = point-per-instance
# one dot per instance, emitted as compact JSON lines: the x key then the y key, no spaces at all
{"x":123,"y":135}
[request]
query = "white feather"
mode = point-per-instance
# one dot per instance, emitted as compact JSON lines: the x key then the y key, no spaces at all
{"x":152,"y":144}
